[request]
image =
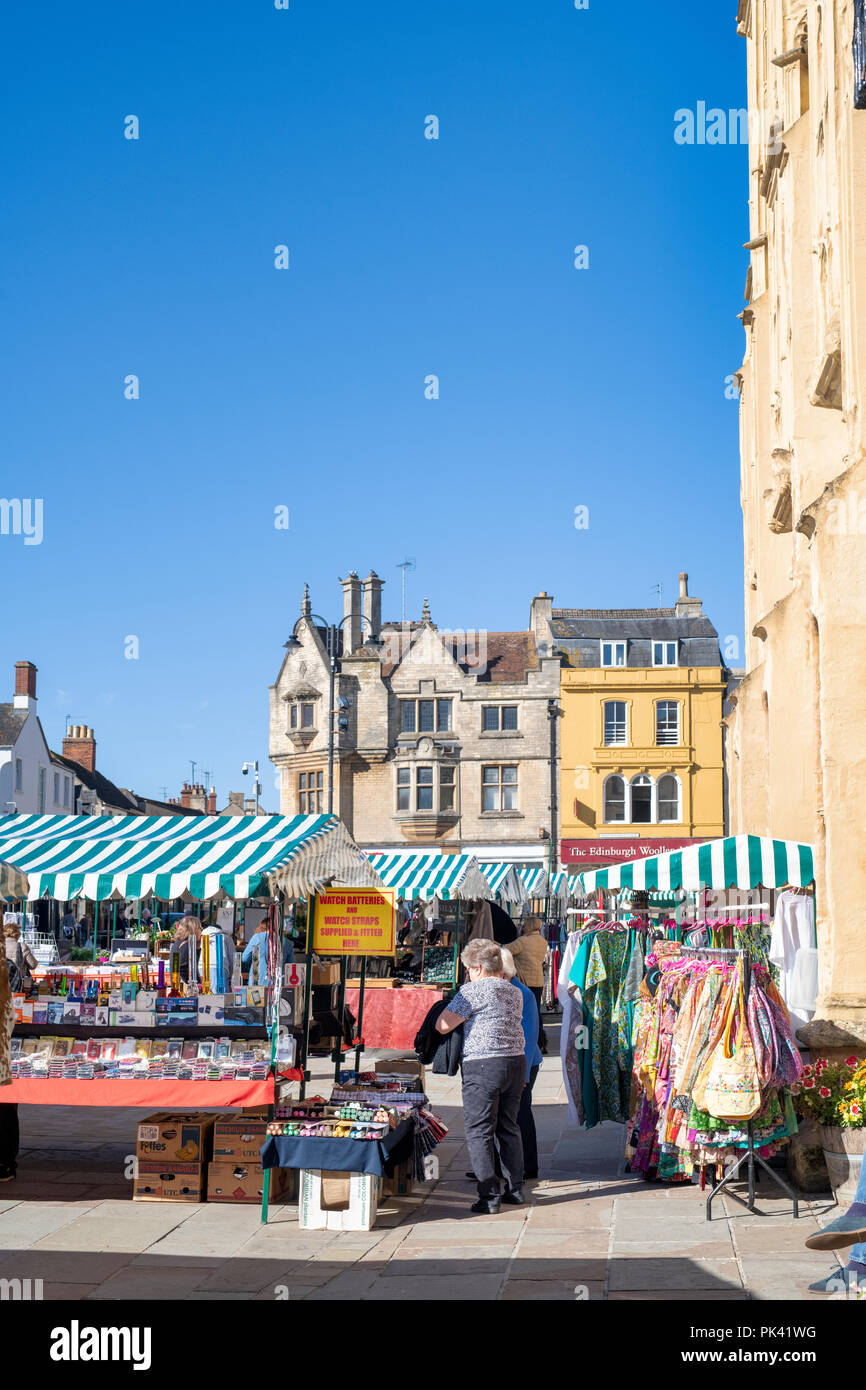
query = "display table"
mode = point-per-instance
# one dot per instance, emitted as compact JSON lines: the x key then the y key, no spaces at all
{"x":374,"y":1156}
{"x":154,"y":1095}
{"x":392,"y":1017}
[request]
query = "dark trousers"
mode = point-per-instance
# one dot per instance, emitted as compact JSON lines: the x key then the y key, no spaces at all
{"x":8,"y":1134}
{"x":526,"y":1121}
{"x":492,"y":1090}
{"x":537,"y":991}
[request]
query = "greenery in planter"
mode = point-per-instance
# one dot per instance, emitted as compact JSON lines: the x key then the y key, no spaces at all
{"x":833,"y":1093}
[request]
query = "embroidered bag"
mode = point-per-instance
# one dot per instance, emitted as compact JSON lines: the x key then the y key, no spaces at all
{"x":733,"y":1089}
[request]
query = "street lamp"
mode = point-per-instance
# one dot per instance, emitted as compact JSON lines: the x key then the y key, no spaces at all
{"x":257,"y":787}
{"x":332,"y":630}
{"x":554,"y":712}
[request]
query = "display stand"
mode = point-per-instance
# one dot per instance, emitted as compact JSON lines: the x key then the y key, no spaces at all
{"x":750,"y":1157}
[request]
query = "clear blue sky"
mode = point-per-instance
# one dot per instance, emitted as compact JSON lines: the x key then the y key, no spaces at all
{"x":305,"y":387}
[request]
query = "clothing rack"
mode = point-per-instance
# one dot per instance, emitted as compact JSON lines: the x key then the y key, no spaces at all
{"x":751,"y":1157}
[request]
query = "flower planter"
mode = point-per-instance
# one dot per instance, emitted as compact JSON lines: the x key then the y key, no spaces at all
{"x":843,"y":1154}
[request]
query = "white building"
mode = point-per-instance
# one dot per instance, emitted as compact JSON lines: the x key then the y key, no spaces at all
{"x":32,"y":781}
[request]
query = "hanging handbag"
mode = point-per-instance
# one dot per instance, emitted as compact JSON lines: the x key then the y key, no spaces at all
{"x":733,"y":1089}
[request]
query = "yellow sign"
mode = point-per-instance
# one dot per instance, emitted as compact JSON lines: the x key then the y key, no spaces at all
{"x":355,"y":922}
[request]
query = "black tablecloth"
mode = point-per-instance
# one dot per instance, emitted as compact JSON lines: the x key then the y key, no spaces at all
{"x":376,"y":1156}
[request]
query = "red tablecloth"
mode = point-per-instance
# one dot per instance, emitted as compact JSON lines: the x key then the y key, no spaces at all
{"x":155,"y":1095}
{"x":392,"y":1017}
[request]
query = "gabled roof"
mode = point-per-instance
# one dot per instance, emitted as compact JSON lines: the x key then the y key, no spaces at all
{"x":108,"y":793}
{"x":11,"y":723}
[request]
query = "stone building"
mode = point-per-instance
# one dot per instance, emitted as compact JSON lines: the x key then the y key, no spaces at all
{"x":643,"y":693}
{"x":442,"y":738}
{"x":797,"y":753}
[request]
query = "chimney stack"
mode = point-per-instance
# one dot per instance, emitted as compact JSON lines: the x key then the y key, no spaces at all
{"x":25,"y":686}
{"x":372,"y":606}
{"x":79,"y":746}
{"x":211,"y":802}
{"x":351,"y":613}
{"x":687,"y":607}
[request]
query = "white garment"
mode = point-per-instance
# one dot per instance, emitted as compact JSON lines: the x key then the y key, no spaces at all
{"x":228,"y":954}
{"x":793,"y":932}
{"x":569,"y":1008}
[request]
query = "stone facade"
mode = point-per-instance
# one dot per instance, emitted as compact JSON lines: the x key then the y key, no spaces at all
{"x":797,"y":755}
{"x":442,"y":738}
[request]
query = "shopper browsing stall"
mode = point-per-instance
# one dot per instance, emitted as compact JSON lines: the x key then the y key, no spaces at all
{"x":494,"y":1073}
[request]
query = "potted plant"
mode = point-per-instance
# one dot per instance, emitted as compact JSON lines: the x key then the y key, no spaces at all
{"x":834,"y":1095}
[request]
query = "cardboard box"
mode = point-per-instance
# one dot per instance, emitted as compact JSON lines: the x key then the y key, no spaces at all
{"x":239,"y":1138}
{"x":167,"y":1182}
{"x":211,"y":1007}
{"x":146,"y":999}
{"x":244,"y":1182}
{"x":326,"y":974}
{"x":167,"y":1005}
{"x":175,"y":1137}
{"x":400,"y":1184}
{"x":337,"y":1201}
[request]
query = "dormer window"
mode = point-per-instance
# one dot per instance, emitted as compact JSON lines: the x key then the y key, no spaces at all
{"x":613,"y":653}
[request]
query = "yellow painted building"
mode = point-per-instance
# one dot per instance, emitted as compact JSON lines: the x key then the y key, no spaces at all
{"x":641,"y":740}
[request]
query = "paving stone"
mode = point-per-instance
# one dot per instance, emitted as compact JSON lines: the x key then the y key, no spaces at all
{"x":453,"y":1288}
{"x":551,"y":1290}
{"x":665,"y":1274}
{"x":66,"y":1267}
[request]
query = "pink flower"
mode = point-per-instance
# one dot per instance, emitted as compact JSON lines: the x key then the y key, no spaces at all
{"x":855,"y":1109}
{"x":809,"y":1083}
{"x":825,"y":1093}
{"x":807,"y":1071}
{"x":852,"y":1062}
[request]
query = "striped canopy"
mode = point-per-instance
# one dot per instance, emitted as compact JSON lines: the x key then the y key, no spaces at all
{"x":506,"y":883}
{"x":564,"y":885}
{"x":13,"y":884}
{"x":535,"y":881}
{"x":203,"y":857}
{"x":445,"y":876}
{"x":739,"y":861}
{"x":676,"y":895}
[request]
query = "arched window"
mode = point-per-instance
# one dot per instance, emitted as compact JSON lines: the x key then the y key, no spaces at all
{"x":668,"y":799}
{"x":641,"y":800}
{"x":614,"y":799}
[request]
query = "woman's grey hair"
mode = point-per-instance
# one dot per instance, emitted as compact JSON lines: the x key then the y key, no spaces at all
{"x":508,"y":966}
{"x":483,"y":955}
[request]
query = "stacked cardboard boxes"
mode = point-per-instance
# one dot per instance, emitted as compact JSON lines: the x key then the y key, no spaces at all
{"x":172,"y":1153}
{"x":235,"y":1173}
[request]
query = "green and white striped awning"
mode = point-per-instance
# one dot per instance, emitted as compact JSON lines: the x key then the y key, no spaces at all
{"x":564,"y":885}
{"x":13,"y":884}
{"x":427,"y":876}
{"x":739,"y":861}
{"x":535,"y":881}
{"x":506,"y":883}
{"x":200,"y":857}
{"x":670,"y":899}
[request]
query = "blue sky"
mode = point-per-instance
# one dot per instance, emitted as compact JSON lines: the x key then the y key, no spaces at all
{"x":304,"y":388}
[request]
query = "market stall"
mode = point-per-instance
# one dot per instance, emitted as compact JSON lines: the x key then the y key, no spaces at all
{"x":507,"y":887}
{"x":127,"y":1031}
{"x":686,"y":1037}
{"x":438,"y":890}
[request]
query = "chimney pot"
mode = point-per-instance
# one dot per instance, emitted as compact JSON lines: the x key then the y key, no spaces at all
{"x":684,"y":585}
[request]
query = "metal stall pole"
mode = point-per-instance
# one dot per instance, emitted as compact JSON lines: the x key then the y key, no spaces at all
{"x":341,"y":1010}
{"x":359,"y":1035}
{"x":95,"y":927}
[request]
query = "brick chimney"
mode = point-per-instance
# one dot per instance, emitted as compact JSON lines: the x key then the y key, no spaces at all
{"x":25,"y":686}
{"x":79,"y":746}
{"x":211,"y":802}
{"x":185,"y":795}
{"x":686,"y":606}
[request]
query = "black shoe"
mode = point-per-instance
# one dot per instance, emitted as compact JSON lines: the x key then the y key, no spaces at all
{"x":514,"y":1199}
{"x":486,"y":1206}
{"x":471,"y":1177}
